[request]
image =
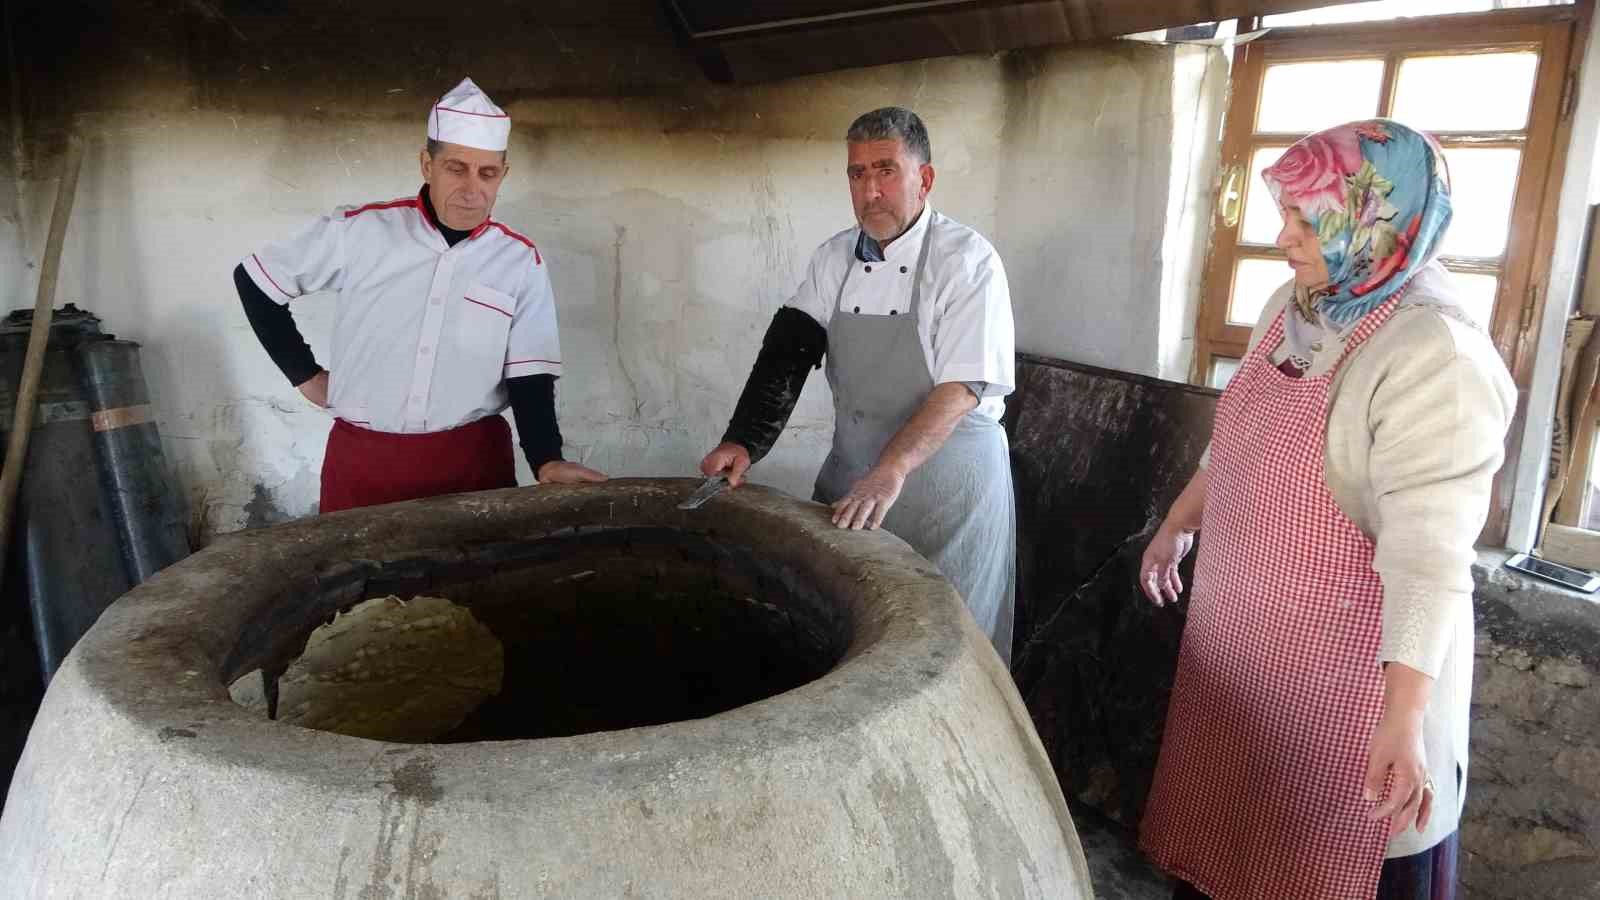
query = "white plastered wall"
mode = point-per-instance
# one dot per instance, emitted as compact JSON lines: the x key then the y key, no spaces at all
{"x":672,"y":236}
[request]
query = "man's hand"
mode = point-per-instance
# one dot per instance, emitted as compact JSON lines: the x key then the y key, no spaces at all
{"x":918,"y":439}
{"x":869,"y":501}
{"x":559,"y":471}
{"x":731,"y":458}
{"x":315,"y":388}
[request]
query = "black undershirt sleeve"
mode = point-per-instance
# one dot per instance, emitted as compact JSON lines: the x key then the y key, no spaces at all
{"x":533,"y":407}
{"x":794,"y":345}
{"x":275,"y":329}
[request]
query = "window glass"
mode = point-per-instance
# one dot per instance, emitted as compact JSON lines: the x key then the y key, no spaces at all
{"x":1295,"y":97}
{"x":1477,"y":294}
{"x":1254,"y":280}
{"x":1475,"y":92}
{"x":1261,"y":221}
{"x":1222,"y":370}
{"x":1483,"y":184}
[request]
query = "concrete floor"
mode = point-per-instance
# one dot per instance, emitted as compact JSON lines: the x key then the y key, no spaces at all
{"x":1116,"y":869}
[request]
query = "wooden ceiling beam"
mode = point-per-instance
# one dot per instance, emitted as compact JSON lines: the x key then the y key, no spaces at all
{"x":771,"y":39}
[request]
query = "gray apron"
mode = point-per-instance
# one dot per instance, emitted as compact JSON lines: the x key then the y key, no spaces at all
{"x":957,"y":508}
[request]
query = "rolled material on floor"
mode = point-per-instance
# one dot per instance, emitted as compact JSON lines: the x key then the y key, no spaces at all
{"x":67,"y":529}
{"x":133,"y":469}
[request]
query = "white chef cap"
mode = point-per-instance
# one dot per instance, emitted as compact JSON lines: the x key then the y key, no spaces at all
{"x":467,"y":116}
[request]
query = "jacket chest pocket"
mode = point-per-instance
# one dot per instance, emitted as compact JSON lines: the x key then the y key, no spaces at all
{"x":482,"y":323}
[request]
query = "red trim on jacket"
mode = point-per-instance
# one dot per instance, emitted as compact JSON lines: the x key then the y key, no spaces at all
{"x":402,"y":203}
{"x":386,"y":204}
{"x":269,"y":277}
{"x":488,"y":306}
{"x":537,"y":259}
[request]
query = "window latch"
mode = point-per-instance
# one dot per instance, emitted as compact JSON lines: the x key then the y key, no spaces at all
{"x":1231,"y":203}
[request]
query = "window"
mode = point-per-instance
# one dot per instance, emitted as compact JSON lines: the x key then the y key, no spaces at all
{"x":1222,"y":369}
{"x":1492,"y":87}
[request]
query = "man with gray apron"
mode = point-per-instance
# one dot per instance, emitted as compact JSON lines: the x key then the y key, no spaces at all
{"x":912,"y":312}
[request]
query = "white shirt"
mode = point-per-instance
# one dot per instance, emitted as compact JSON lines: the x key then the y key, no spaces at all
{"x":966,"y":326}
{"x":425,"y":334}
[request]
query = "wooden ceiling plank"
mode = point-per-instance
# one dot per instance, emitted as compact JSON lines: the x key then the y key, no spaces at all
{"x":804,"y":37}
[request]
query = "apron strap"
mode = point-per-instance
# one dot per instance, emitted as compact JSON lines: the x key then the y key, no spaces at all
{"x":1364,"y":328}
{"x":1275,"y":333}
{"x":1369,"y":324}
{"x":838,"y":301}
{"x":922,"y":261}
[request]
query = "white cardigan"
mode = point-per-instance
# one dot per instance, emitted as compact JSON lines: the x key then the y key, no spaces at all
{"x":1416,"y":429}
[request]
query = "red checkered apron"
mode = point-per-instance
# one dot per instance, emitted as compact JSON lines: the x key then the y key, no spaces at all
{"x":1258,"y":791}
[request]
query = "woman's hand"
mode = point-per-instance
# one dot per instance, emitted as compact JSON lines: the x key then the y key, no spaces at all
{"x":1158,"y":571}
{"x":1396,"y":750}
{"x":1397,"y":747}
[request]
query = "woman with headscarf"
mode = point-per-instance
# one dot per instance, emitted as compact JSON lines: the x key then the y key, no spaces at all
{"x":1316,"y":741}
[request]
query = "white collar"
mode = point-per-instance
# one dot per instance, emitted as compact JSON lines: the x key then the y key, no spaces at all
{"x":909,"y":243}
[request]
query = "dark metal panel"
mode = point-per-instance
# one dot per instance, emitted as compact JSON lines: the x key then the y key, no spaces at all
{"x":1097,"y":457}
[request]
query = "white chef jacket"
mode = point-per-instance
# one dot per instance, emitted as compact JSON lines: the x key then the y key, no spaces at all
{"x":425,"y":334}
{"x":966,"y":326}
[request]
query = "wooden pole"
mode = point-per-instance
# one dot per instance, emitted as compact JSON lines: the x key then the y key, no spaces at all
{"x":33,"y":363}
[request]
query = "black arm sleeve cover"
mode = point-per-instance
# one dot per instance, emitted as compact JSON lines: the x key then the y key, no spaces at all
{"x":274,"y":327}
{"x":533,"y":406}
{"x":794,"y":345}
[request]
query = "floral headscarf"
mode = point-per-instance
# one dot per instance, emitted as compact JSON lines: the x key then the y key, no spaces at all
{"x":1378,"y":195}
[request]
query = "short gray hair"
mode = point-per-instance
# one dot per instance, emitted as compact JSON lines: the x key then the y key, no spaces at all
{"x":433,"y":147}
{"x":893,"y":123}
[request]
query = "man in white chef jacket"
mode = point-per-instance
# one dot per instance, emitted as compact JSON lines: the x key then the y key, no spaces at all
{"x":444,"y":318}
{"x":911,"y":312}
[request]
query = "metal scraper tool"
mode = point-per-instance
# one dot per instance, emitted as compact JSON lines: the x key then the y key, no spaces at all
{"x":709,"y":488}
